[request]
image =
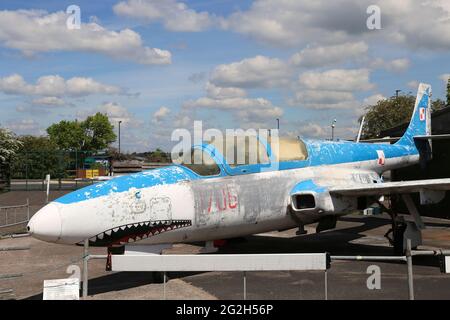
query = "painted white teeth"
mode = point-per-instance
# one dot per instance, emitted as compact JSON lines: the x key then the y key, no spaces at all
{"x":123,"y":227}
{"x":115,"y":229}
{"x":100,"y":236}
{"x":108,"y":232}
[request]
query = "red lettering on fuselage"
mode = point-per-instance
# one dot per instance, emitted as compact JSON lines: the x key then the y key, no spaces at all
{"x":226,"y":199}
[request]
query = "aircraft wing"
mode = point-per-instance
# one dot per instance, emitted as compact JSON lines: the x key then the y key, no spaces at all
{"x":387,"y":188}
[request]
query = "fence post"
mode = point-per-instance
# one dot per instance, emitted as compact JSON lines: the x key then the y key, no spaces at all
{"x":326,"y":285}
{"x":164,"y":285}
{"x":47,"y":178}
{"x":85,"y":268}
{"x":28,"y":209}
{"x":410,"y":269}
{"x":245,"y":285}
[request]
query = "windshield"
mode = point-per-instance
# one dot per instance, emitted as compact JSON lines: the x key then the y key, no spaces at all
{"x":202,"y":163}
{"x":241,"y":150}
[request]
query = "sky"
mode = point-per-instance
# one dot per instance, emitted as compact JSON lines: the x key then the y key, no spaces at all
{"x":159,"y":65}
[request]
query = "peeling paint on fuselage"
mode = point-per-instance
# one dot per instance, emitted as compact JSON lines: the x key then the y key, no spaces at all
{"x":224,"y":206}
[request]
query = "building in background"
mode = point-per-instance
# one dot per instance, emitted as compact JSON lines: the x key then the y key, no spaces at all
{"x":438,"y":167}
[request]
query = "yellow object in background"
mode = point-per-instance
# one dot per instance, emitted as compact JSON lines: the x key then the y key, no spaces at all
{"x":92,"y":173}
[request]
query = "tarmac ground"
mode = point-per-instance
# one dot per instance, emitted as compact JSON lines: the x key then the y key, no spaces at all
{"x":354,"y":235}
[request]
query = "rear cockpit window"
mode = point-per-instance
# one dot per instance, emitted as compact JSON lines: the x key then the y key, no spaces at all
{"x":288,"y":149}
{"x":202,"y":163}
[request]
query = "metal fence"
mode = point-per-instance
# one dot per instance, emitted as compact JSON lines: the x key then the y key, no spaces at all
{"x":41,"y":185}
{"x":245,"y":263}
{"x":14,"y":215}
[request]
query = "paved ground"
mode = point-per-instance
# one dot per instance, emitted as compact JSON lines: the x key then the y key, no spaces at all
{"x":346,"y":280}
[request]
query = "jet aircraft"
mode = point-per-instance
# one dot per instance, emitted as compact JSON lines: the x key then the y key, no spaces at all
{"x":312,"y":181}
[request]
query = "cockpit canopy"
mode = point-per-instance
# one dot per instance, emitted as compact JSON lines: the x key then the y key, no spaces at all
{"x":234,"y":152}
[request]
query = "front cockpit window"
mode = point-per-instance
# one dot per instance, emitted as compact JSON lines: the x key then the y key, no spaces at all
{"x":201,"y":163}
{"x":241,"y":150}
{"x":288,"y":149}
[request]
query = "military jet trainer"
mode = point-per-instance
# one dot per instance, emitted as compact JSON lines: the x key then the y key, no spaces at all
{"x":312,"y":181}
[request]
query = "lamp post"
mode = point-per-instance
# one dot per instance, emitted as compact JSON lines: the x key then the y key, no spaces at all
{"x":278,"y":124}
{"x":119,"y":135}
{"x":333,"y":125}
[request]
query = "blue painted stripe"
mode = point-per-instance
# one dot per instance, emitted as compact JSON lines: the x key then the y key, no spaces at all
{"x":320,"y":153}
{"x":145,"y":179}
{"x":307,"y":185}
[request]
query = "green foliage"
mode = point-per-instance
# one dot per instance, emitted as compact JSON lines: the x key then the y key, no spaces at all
{"x":95,"y":133}
{"x":391,"y":112}
{"x":386,"y":114}
{"x":37,"y":157}
{"x":437,"y":105}
{"x":67,"y":135}
{"x":9,"y":144}
{"x":448,"y":91}
{"x":98,"y":132}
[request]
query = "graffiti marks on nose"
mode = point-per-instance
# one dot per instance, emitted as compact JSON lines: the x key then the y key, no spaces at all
{"x":160,"y":208}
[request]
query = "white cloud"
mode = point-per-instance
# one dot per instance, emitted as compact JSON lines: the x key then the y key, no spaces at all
{"x":259,"y":71}
{"x":216,"y":92}
{"x":320,"y":56}
{"x":24,"y":126}
{"x":79,"y":86}
{"x":33,"y":31}
{"x":49,"y":101}
{"x":444,"y":77}
{"x":297,"y":22}
{"x":396,"y":65}
{"x":175,"y":16}
{"x":245,"y":109}
{"x":414,"y":84}
{"x":116,"y":112}
{"x":160,"y":114}
{"x":373,"y":99}
{"x":323,"y":96}
{"x":56,"y":86}
{"x":337,"y":80}
{"x":331,"y":89}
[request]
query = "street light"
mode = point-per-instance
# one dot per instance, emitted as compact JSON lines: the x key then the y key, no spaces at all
{"x":278,"y":124}
{"x":119,"y":135}
{"x":333,"y":125}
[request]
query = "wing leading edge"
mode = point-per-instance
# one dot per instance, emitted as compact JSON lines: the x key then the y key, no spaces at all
{"x":398,"y":187}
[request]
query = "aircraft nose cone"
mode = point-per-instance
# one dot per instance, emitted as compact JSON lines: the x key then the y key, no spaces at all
{"x":46,"y":224}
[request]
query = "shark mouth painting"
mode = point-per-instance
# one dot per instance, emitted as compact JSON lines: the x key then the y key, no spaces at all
{"x":134,"y":232}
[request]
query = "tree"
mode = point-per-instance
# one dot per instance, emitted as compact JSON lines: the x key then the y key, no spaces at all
{"x":448,"y":91}
{"x":98,"y":132}
{"x":93,"y":134}
{"x":37,"y":157}
{"x":67,"y":135}
{"x":9,"y":144}
{"x":388,"y":113}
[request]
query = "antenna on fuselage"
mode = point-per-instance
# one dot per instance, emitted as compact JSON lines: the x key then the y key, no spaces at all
{"x":360,"y":129}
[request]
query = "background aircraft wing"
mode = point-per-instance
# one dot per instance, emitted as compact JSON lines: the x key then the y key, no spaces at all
{"x":386,"y":188}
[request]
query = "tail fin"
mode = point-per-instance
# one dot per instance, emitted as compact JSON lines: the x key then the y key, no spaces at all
{"x":420,"y":123}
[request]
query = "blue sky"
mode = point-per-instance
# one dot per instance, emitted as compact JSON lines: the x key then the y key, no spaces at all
{"x":160,"y":65}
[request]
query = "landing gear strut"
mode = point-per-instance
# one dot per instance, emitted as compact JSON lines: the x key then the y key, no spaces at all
{"x":402,"y":229}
